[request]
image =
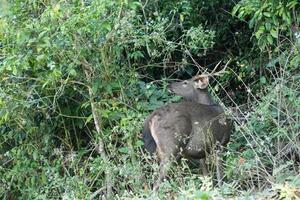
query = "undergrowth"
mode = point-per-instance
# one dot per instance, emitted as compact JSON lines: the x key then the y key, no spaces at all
{"x":78,"y":78}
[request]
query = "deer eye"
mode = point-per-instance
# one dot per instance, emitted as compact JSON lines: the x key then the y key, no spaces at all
{"x":185,"y":82}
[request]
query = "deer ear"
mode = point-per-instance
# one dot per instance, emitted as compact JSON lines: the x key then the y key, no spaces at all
{"x":202,"y":82}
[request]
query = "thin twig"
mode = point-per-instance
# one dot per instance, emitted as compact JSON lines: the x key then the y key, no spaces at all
{"x":97,"y":122}
{"x":94,"y":194}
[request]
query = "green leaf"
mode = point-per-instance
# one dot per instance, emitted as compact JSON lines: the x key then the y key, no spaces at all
{"x":262,"y":28}
{"x":124,"y":150}
{"x":251,"y":23}
{"x":262,"y":80}
{"x":134,"y":5}
{"x":139,"y":143}
{"x":275,"y":21}
{"x":43,"y":178}
{"x":35,"y":155}
{"x":95,"y":87}
{"x":267,"y":14}
{"x":268,"y":26}
{"x":274,"y":33}
{"x":257,"y":15}
{"x":292,"y":4}
{"x":235,"y":9}
{"x":136,"y":54}
{"x":241,"y":14}
{"x":88,"y":119}
{"x":270,"y":39}
{"x":106,"y":25}
{"x":14,"y":70}
{"x":181,"y":17}
{"x":259,"y":33}
{"x":72,"y":72}
{"x":287,"y":17}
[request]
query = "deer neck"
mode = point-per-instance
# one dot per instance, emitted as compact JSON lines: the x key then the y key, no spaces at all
{"x":203,"y":97}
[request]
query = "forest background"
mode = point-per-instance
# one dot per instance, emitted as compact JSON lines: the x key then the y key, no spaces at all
{"x":78,"y":77}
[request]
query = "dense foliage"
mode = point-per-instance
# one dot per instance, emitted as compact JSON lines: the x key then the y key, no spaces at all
{"x":78,"y":77}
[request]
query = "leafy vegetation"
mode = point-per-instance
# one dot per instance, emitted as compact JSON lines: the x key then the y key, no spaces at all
{"x":77,"y":79}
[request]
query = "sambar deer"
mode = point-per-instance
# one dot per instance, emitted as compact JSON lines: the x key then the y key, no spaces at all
{"x":189,"y":128}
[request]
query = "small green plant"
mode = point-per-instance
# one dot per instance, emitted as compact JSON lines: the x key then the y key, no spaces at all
{"x":270,"y":19}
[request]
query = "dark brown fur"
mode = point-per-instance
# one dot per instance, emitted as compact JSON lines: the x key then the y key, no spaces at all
{"x":189,"y":128}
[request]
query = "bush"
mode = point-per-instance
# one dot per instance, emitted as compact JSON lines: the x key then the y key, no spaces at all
{"x":78,"y":78}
